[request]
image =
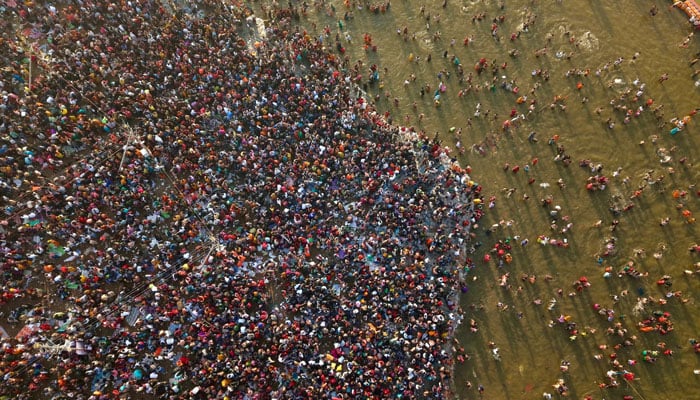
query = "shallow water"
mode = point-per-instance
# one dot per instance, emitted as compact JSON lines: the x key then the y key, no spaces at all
{"x":593,"y":34}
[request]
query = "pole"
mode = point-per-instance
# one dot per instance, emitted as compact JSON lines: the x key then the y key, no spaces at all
{"x":126,"y":146}
{"x":29,"y":88}
{"x":635,"y":390}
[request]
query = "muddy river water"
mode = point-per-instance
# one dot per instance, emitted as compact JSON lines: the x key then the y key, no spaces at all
{"x":576,"y":117}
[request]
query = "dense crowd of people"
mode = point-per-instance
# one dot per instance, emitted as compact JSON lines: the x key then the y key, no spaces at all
{"x":189,"y":214}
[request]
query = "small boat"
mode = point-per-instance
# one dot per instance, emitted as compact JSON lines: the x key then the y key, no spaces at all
{"x":692,"y":9}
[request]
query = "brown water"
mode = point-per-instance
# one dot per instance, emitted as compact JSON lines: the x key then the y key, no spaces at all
{"x":583,"y":35}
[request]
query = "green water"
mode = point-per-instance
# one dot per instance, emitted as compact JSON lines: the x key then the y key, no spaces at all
{"x":581,"y":36}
